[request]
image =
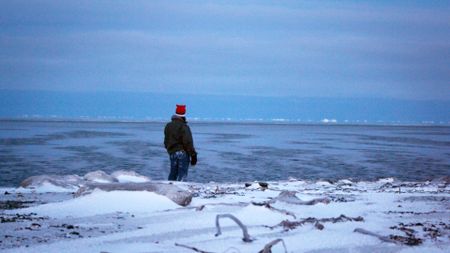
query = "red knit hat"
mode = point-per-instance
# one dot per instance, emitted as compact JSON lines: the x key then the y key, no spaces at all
{"x":181,"y":110}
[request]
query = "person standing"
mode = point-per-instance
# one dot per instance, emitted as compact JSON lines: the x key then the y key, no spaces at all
{"x":180,"y":145}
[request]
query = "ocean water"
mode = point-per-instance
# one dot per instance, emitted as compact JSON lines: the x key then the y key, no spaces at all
{"x":228,"y":152}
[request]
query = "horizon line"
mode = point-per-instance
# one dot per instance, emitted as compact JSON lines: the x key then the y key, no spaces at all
{"x":362,"y":97}
{"x":274,"y":121}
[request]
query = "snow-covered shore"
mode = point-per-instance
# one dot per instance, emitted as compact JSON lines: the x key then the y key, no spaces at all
{"x":309,"y":216}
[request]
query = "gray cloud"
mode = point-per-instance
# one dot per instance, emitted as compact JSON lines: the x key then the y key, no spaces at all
{"x":291,"y":48}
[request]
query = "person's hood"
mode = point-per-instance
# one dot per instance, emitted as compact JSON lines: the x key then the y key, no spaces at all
{"x":176,"y":117}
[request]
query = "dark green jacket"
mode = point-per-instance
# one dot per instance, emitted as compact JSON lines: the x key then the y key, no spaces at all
{"x":178,"y":136}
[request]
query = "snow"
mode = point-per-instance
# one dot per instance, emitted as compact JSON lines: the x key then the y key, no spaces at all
{"x":254,"y":215}
{"x":141,"y":221}
{"x":47,"y":187}
{"x":100,"y":202}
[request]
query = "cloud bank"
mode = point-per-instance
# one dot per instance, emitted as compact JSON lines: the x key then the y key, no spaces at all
{"x":294,"y":48}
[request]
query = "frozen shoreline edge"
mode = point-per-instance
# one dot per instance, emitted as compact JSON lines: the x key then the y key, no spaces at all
{"x":386,"y":207}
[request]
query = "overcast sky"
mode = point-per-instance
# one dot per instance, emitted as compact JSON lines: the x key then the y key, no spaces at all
{"x":394,"y":49}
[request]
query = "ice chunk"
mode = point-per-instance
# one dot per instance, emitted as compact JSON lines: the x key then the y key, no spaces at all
{"x":99,"y":176}
{"x":386,"y":180}
{"x":52,"y":183}
{"x":345,"y":182}
{"x":171,"y":191}
{"x":127,"y":176}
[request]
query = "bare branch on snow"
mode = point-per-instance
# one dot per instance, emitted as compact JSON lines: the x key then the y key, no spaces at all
{"x":367,"y":232}
{"x":289,"y":225}
{"x":290,"y":198}
{"x":192,"y":248}
{"x":407,"y":240}
{"x":268,"y":247}
{"x":246,"y":237}
{"x":268,"y":206}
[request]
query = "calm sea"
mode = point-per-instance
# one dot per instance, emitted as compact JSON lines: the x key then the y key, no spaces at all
{"x":228,"y":152}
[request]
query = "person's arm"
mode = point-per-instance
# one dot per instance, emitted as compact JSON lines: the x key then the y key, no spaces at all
{"x":166,"y":137}
{"x":188,"y":141}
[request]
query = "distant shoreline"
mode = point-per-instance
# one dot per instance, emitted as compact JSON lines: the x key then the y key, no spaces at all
{"x":225,"y":121}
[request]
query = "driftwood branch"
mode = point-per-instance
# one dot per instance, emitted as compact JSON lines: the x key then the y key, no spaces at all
{"x":289,"y":225}
{"x":410,"y":240}
{"x":192,"y":248}
{"x":246,"y":237}
{"x":202,"y":251}
{"x":290,"y":198}
{"x":367,"y":232}
{"x":270,"y":207}
{"x":268,"y":247}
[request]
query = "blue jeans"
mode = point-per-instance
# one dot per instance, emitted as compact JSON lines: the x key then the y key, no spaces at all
{"x":179,"y":165}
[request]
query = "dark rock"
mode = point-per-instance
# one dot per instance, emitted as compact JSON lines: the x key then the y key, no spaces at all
{"x":263,"y":184}
{"x":13,"y":204}
{"x":319,"y":226}
{"x":19,"y":217}
{"x":33,"y":226}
